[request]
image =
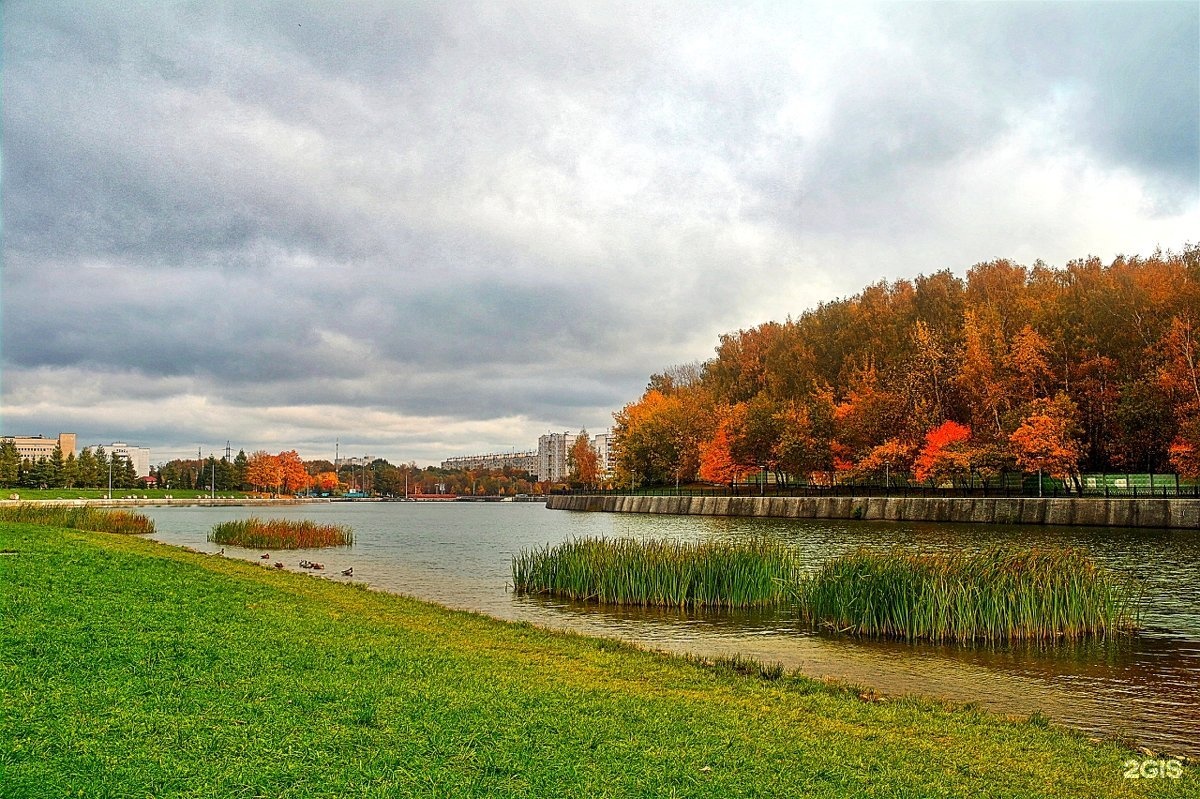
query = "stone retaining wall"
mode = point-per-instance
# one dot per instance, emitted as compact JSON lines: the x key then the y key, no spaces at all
{"x":1095,"y":512}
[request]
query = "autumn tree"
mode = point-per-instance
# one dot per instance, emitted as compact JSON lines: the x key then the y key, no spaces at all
{"x":264,"y":471}
{"x":293,"y":475}
{"x":946,"y":454}
{"x":716,"y":460}
{"x":886,"y":459}
{"x":585,"y":463}
{"x":1047,"y":441}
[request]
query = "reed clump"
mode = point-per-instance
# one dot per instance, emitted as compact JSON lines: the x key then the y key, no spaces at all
{"x":255,"y":533}
{"x":100,"y":520}
{"x":995,"y":594}
{"x":660,"y":573}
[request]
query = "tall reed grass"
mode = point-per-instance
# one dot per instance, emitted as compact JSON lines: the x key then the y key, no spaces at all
{"x":996,"y":594}
{"x":101,"y":520}
{"x":659,"y":573}
{"x":255,"y":533}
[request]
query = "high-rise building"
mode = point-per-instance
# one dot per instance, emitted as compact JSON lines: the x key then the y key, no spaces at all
{"x":602,"y":444}
{"x":554,"y":451}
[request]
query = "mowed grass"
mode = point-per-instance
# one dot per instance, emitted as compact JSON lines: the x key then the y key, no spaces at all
{"x":995,"y":594}
{"x":129,"y":668}
{"x":256,"y":533}
{"x":621,"y":571}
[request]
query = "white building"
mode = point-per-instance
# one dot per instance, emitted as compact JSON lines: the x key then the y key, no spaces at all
{"x":520,"y":461}
{"x":553,"y":456}
{"x":138,"y":456}
{"x":602,"y":444}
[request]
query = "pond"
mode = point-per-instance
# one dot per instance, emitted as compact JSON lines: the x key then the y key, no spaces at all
{"x":1145,"y":688}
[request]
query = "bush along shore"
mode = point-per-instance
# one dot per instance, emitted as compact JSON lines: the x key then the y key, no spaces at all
{"x":136,"y":669}
{"x":997,"y":594}
{"x":255,"y":533}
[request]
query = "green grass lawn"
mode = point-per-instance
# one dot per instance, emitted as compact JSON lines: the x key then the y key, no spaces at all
{"x":29,"y":494}
{"x":128,"y":668}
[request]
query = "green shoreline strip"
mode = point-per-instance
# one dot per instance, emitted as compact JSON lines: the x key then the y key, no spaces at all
{"x":129,"y":668}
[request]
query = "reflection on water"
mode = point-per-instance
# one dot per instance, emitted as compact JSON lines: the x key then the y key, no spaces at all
{"x":1145,"y":687}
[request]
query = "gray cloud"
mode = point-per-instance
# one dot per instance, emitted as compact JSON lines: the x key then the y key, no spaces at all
{"x":460,"y":225}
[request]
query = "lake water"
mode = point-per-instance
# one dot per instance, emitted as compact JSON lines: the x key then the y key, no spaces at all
{"x":1145,"y":687}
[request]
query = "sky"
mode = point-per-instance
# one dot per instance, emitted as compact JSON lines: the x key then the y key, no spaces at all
{"x":422,"y":230}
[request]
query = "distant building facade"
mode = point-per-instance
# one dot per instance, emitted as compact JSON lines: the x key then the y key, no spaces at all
{"x":138,"y":456}
{"x":602,"y":443}
{"x":37,"y":448}
{"x":553,"y":454}
{"x":518,"y":461}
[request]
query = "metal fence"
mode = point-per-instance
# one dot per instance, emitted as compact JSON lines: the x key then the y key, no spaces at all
{"x":1106,"y":486}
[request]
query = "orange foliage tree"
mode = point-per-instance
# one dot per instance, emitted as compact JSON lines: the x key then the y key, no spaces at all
{"x":1185,"y":449}
{"x":716,"y":459}
{"x":946,"y":454}
{"x":294,"y":478}
{"x":326,"y":482}
{"x":264,"y":471}
{"x":893,"y":455}
{"x":585,"y":463}
{"x":1047,"y":440}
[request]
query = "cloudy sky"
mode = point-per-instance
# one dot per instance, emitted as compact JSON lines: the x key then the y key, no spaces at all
{"x":435,"y":229}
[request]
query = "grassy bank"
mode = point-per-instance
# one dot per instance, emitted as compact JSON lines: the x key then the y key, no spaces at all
{"x":256,"y":533}
{"x":660,"y":573}
{"x":132,"y":669}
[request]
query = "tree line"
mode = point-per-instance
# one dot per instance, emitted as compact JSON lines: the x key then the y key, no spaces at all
{"x":1092,"y":367}
{"x":91,"y":469}
{"x":287,"y":473}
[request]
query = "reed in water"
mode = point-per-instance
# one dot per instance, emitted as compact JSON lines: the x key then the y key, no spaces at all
{"x":255,"y":533}
{"x":660,"y":573}
{"x":995,"y":594}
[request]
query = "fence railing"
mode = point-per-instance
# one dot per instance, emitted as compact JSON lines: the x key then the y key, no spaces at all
{"x":1049,"y":489}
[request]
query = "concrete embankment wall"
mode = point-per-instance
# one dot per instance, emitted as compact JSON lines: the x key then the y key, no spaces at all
{"x":1098,"y":512}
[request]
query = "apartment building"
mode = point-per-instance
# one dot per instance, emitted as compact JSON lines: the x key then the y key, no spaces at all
{"x":519,"y":461}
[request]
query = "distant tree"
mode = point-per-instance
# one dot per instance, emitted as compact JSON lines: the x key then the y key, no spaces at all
{"x":264,"y":471}
{"x":887,"y":460}
{"x":87,"y":468}
{"x":585,"y":463}
{"x":946,"y":454}
{"x":101,"y":471}
{"x":716,"y":459}
{"x":10,"y":463}
{"x":294,"y":477}
{"x":240,"y":463}
{"x":70,"y":471}
{"x":326,"y":482}
{"x":1047,"y":440}
{"x":1185,"y":450}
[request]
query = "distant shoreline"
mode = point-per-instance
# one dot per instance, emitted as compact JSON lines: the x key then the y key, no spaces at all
{"x":177,"y":502}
